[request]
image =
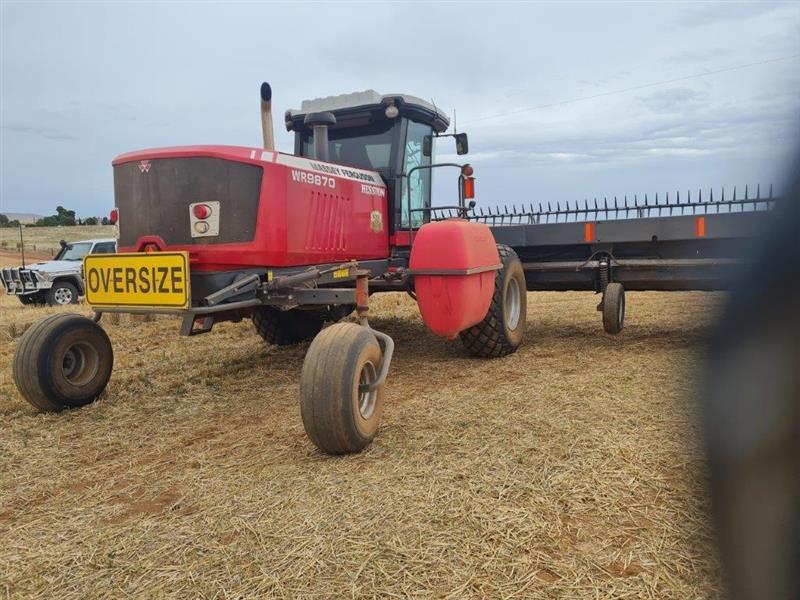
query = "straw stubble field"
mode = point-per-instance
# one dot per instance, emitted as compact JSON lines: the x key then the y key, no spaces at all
{"x":569,"y":470}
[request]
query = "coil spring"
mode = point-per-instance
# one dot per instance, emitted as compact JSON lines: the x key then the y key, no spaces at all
{"x":605,"y":275}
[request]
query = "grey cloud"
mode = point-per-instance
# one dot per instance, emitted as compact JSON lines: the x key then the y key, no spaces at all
{"x":132,"y":76}
{"x":670,"y":100}
{"x":41,"y":132}
{"x":719,"y":12}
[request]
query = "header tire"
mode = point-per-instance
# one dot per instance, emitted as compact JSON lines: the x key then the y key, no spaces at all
{"x":614,"y":308}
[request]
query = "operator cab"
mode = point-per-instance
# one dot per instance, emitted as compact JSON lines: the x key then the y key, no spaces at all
{"x":390,"y":134}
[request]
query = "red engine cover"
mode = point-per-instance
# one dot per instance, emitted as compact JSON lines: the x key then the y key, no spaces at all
{"x":454,"y":264}
{"x":309,"y":212}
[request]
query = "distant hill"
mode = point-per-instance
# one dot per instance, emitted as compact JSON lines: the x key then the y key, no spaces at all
{"x":24,"y":218}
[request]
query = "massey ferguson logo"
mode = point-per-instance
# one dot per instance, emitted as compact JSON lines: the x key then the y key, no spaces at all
{"x":144,"y":166}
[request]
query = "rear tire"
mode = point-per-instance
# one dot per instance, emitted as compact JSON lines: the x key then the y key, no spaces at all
{"x":337,"y":416}
{"x":502,"y":329}
{"x":614,"y":308}
{"x":284,"y":328}
{"x":62,"y":293}
{"x":63,"y":361}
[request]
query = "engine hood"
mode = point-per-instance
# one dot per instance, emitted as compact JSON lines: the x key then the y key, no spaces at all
{"x":55,"y":266}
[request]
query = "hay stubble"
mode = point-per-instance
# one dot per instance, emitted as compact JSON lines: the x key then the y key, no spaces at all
{"x":569,"y":470}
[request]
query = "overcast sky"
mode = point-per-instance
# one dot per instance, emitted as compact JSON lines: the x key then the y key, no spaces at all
{"x":83,"y":82}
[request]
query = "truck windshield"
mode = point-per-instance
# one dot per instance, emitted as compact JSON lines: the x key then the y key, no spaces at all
{"x":367,"y":147}
{"x":74,"y":251}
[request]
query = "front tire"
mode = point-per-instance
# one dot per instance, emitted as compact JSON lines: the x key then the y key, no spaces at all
{"x":62,"y":293}
{"x":28,"y":299}
{"x":63,"y":361}
{"x":338,"y":417}
{"x":502,"y":329}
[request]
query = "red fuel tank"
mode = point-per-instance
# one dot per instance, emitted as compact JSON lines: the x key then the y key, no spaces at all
{"x":453,"y":263}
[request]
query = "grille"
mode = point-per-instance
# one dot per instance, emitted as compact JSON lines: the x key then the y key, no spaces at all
{"x":155,"y":201}
{"x":16,"y":280}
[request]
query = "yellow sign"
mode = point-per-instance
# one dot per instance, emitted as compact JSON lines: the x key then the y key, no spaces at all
{"x":152,"y":280}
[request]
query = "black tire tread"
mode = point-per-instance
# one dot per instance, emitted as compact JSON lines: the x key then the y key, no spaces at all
{"x":25,"y":366}
{"x":487,"y":339}
{"x":326,"y":376}
{"x":284,"y":328}
{"x":28,"y":358}
{"x":613,"y":295}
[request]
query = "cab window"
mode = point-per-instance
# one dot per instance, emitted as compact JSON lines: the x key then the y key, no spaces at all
{"x":420,"y":180}
{"x":74,"y":252}
{"x":366,"y":147}
{"x":104,"y":248}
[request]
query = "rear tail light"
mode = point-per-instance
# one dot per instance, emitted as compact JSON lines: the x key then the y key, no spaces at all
{"x":201,"y":211}
{"x":113,"y":216}
{"x":204,"y":218}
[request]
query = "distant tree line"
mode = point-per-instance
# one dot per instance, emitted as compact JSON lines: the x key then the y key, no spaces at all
{"x":6,"y":222}
{"x":62,"y":218}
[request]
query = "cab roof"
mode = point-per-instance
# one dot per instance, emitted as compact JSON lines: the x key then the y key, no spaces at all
{"x":365,"y":107}
{"x":93,"y":241}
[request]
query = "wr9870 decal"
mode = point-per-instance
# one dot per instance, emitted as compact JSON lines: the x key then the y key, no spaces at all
{"x":313,"y":179}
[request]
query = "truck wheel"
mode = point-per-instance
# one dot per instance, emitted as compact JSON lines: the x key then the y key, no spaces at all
{"x":502,"y":329}
{"x":29,"y":299}
{"x":613,"y":308}
{"x":63,"y":361}
{"x":337,"y":416}
{"x":284,"y":328}
{"x":62,"y":293}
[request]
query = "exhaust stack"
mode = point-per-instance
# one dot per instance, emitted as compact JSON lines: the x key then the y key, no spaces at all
{"x":266,"y":116}
{"x":320,"y":122}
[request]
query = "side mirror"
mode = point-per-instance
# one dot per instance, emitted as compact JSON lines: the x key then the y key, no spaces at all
{"x":462,"y":144}
{"x":427,"y":145}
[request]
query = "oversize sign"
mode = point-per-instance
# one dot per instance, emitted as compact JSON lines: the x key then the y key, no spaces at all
{"x":155,"y":280}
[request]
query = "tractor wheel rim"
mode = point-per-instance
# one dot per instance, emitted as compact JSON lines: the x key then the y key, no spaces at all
{"x":512,"y":304}
{"x":63,"y":295}
{"x":367,"y":400}
{"x":80,"y":363}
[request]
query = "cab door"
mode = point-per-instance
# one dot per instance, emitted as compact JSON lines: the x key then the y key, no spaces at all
{"x":416,"y":186}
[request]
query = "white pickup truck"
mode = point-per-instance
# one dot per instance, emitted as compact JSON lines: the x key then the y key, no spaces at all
{"x":55,"y":282}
